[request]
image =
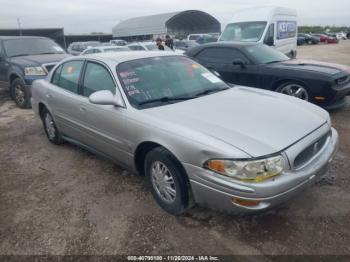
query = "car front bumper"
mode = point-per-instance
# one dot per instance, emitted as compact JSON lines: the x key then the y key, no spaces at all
{"x":337,"y":100}
{"x":28,"y":80}
{"x":210,"y":190}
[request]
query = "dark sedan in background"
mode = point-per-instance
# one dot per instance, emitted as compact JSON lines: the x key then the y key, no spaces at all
{"x":310,"y":39}
{"x":260,"y":66}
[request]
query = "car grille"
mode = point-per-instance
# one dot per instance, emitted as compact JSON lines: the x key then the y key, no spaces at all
{"x":48,"y":67}
{"x":308,"y":153}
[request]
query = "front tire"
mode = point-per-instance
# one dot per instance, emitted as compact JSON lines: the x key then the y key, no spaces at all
{"x":167,"y":181}
{"x":20,"y":93}
{"x":50,"y":128}
{"x":294,"y":89}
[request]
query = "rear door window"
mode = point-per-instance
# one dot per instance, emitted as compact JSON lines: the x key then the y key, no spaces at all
{"x":56,"y":76}
{"x":68,"y":77}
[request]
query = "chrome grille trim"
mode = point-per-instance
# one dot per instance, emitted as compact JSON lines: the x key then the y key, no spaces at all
{"x":311,"y":151}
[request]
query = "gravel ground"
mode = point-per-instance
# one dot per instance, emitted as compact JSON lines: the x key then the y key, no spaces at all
{"x":64,"y":200}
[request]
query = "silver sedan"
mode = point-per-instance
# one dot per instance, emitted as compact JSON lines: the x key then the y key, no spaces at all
{"x":196,"y":139}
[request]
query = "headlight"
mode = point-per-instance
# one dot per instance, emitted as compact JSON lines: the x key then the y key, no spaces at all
{"x":248,"y":170}
{"x":34,"y":71}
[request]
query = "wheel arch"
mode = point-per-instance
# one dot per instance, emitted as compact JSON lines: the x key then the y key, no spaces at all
{"x":41,"y":108}
{"x":142,"y":150}
{"x":13,"y":76}
{"x":139,"y":159}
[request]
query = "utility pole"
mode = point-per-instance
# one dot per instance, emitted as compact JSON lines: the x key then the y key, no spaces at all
{"x":19,"y":26}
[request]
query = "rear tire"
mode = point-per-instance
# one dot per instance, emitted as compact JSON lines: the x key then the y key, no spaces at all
{"x":20,"y":93}
{"x":294,"y":89}
{"x":52,"y":133}
{"x":167,"y":181}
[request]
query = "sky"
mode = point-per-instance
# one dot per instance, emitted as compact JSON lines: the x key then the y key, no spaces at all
{"x":86,"y":16}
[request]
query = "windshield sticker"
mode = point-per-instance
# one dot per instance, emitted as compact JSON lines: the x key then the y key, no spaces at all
{"x":131,"y":89}
{"x":129,"y":81}
{"x":126,"y":74}
{"x":212,"y":78}
{"x":195,"y":66}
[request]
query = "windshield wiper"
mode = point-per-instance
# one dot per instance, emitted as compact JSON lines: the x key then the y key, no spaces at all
{"x":166,"y":99}
{"x":210,"y":91}
{"x":20,"y":55}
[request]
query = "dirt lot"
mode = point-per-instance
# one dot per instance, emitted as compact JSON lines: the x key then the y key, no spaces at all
{"x":64,"y":200}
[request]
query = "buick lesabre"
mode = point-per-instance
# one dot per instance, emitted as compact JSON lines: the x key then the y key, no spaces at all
{"x":195,"y":138}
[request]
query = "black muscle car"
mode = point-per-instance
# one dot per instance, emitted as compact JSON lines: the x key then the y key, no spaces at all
{"x":260,"y":66}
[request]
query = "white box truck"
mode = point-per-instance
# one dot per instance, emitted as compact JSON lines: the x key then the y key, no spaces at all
{"x":273,"y":26}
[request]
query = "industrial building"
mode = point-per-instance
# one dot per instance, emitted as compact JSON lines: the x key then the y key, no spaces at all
{"x":56,"y":34}
{"x":178,"y":24}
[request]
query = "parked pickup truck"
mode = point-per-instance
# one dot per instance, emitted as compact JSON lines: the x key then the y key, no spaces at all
{"x":23,"y":60}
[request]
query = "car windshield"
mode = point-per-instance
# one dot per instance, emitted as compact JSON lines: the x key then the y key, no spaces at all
{"x":244,"y":32}
{"x":31,"y":46}
{"x":266,"y":55}
{"x":166,"y":79}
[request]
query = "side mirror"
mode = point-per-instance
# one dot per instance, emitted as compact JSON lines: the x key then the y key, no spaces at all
{"x":239,"y":62}
{"x":105,"y":97}
{"x":269,"y":41}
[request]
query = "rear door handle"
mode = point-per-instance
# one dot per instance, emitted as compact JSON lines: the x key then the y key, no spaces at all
{"x":82,"y":108}
{"x":48,"y":95}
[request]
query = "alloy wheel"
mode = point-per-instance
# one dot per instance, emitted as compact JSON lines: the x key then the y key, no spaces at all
{"x":19,"y":95}
{"x":163,"y":182}
{"x":50,"y":126}
{"x":295,"y":90}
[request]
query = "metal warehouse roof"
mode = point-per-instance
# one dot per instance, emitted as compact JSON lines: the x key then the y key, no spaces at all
{"x":190,"y":20}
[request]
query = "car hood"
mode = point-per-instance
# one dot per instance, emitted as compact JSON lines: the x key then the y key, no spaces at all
{"x":312,"y":65}
{"x":36,"y":60}
{"x":257,"y":122}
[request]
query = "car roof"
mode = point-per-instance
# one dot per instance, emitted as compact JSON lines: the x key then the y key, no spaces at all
{"x":20,"y":37}
{"x":239,"y":45}
{"x":120,"y":57}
